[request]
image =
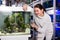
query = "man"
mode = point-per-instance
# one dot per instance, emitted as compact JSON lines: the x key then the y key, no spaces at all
{"x":19,"y":3}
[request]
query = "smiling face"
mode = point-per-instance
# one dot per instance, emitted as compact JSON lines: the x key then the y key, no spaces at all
{"x":38,"y":11}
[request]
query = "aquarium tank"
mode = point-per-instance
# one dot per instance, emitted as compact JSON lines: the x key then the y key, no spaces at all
{"x":15,"y":22}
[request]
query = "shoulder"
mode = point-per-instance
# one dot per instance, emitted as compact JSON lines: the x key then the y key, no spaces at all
{"x":47,"y":16}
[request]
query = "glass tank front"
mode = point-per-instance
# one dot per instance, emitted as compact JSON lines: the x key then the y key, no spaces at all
{"x":15,"y":22}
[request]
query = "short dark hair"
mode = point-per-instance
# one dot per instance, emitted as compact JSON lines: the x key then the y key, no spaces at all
{"x":40,"y":7}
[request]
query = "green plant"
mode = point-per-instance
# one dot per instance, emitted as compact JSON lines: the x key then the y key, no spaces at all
{"x":15,"y":23}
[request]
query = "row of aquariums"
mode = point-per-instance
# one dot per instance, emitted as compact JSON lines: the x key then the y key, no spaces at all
{"x":57,"y":18}
{"x":57,"y":23}
{"x":15,"y":22}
